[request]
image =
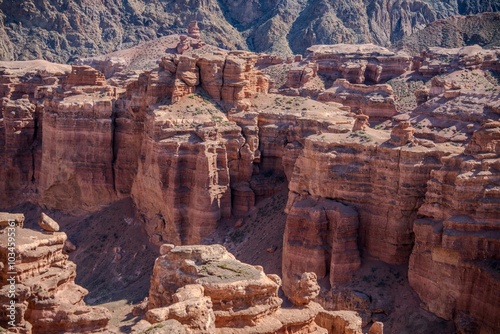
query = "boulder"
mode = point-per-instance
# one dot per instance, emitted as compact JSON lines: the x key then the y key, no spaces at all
{"x":47,"y":223}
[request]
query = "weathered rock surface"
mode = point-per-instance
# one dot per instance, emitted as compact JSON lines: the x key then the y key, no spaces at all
{"x":346,"y":170}
{"x":456,"y":104}
{"x":47,"y":298}
{"x":457,"y":236}
{"x":7,"y":219}
{"x":306,"y":289}
{"x":47,"y":223}
{"x":373,"y":100}
{"x":340,"y":322}
{"x":20,"y":125}
{"x":320,"y":236}
{"x":200,"y":286}
{"x":358,"y":63}
{"x":402,"y":134}
{"x":85,"y":76}
{"x":198,"y":139}
{"x":435,"y":60}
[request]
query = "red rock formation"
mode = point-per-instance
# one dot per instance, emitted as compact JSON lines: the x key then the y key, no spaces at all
{"x":189,"y":164}
{"x":47,"y":298}
{"x":85,"y":76}
{"x":240,"y":296}
{"x":241,"y":80}
{"x":359,"y":63}
{"x":374,"y":100}
{"x":402,"y":134}
{"x":301,"y":74}
{"x":305,"y":289}
{"x":361,"y":122}
{"x":20,"y":125}
{"x":320,"y":236}
{"x":227,"y":77}
{"x":77,"y":134}
{"x":184,"y":180}
{"x":361,"y":174}
{"x":435,"y":60}
{"x":340,"y":322}
{"x":190,"y":307}
{"x":456,"y":240}
{"x":186,"y":79}
{"x":18,"y":130}
{"x":184,"y":44}
{"x":194,"y":30}
{"x":455,"y":106}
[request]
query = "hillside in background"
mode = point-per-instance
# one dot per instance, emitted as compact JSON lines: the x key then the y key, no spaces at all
{"x":455,"y":32}
{"x":62,"y":30}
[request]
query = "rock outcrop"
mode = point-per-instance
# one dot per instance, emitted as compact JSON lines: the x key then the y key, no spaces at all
{"x":373,"y":100}
{"x":205,"y":286}
{"x":85,"y":76}
{"x":320,"y":236}
{"x":402,"y":134}
{"x":199,"y":139}
{"x":47,"y":300}
{"x":435,"y":60}
{"x":340,"y":322}
{"x":355,"y":169}
{"x":365,"y":63}
{"x":457,"y":237}
{"x":47,"y":223}
{"x":21,"y":123}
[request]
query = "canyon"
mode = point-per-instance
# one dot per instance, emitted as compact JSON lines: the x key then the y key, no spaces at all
{"x":199,"y":138}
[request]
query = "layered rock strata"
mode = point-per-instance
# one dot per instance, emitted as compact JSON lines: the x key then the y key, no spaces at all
{"x":435,"y":60}
{"x":198,"y":139}
{"x":457,"y":236}
{"x":358,"y":63}
{"x":320,"y":236}
{"x":47,"y":300}
{"x":226,"y":295}
{"x":373,"y":100}
{"x":355,"y":169}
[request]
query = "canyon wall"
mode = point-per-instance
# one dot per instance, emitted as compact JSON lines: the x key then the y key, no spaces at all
{"x":199,"y":139}
{"x":457,"y":236}
{"x":47,"y":298}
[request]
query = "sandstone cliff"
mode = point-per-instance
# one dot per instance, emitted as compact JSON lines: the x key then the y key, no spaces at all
{"x":457,"y":237}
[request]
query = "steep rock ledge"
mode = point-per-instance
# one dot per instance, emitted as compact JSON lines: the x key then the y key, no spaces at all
{"x":362,"y":173}
{"x":457,"y":236}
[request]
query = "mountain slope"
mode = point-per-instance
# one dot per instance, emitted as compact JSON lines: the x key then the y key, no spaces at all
{"x":61,"y":30}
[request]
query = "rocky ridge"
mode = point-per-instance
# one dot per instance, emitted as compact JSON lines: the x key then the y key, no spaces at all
{"x":64,"y":31}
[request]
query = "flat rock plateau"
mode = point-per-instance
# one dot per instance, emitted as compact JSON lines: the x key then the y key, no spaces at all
{"x":179,"y":187}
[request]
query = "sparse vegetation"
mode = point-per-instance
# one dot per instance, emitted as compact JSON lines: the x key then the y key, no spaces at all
{"x":363,"y":136}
